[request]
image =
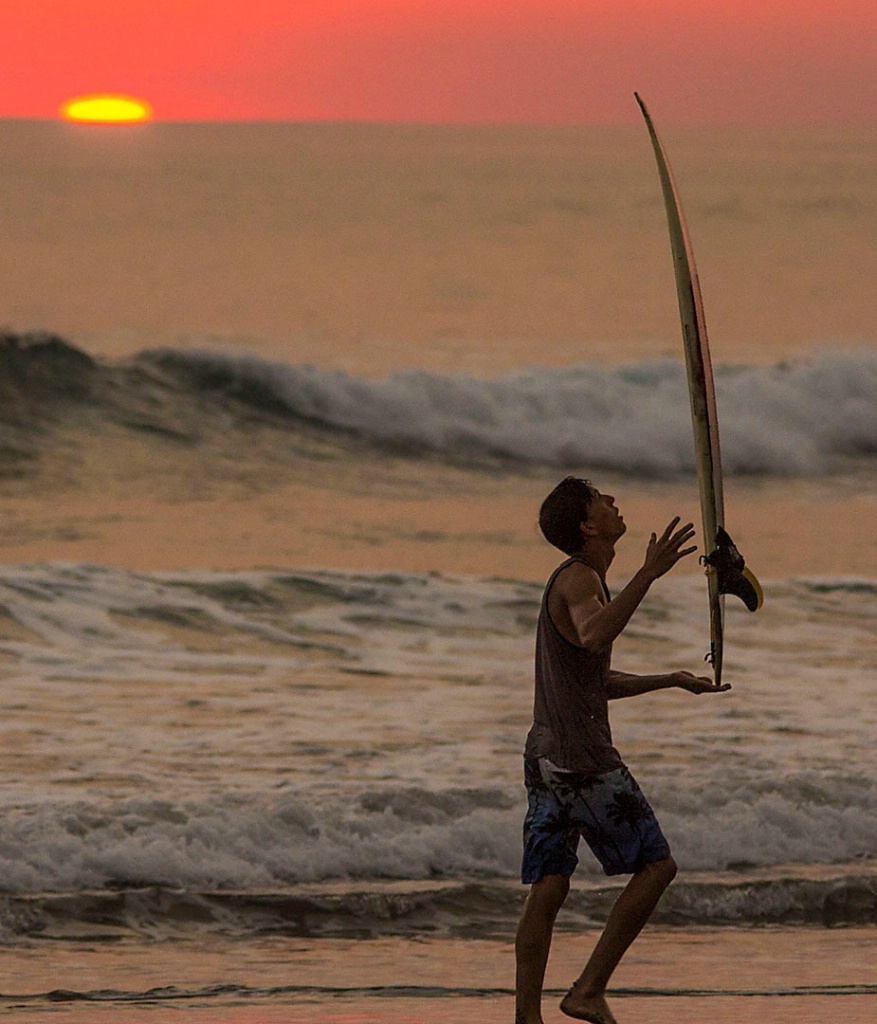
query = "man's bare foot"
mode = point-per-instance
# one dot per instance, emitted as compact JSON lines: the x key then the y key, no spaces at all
{"x":591,"y":1008}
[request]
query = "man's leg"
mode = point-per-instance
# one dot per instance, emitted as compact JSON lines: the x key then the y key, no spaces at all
{"x":586,"y":1000}
{"x":532,"y":943}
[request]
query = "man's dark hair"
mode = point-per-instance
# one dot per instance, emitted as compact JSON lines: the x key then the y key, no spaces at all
{"x":568,"y":505}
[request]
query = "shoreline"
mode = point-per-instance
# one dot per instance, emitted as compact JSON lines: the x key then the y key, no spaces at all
{"x":774,"y":975}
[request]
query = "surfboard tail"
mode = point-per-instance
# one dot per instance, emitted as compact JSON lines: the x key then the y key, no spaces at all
{"x":732,"y":573}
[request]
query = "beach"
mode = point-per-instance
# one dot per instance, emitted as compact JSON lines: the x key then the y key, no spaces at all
{"x":278,"y":405}
{"x":776,"y":978}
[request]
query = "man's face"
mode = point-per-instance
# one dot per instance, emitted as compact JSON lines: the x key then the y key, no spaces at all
{"x":605,"y":520}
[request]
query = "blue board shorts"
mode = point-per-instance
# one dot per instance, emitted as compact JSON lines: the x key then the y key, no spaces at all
{"x":608,"y":811}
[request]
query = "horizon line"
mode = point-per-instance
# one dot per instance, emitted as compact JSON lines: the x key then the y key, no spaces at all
{"x":455,"y":124}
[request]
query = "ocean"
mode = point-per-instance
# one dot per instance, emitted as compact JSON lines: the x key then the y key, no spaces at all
{"x":278,"y":406}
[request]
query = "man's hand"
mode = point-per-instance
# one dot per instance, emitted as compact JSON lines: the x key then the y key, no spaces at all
{"x":664,"y":552}
{"x":697,"y":684}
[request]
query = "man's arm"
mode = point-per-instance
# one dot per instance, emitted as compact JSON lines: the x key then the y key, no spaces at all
{"x":624,"y":684}
{"x":597,"y":625}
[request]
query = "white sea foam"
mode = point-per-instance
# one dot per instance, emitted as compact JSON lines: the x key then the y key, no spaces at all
{"x":803,"y":418}
{"x":251,"y":841}
{"x":809,"y":417}
{"x":246,"y":730}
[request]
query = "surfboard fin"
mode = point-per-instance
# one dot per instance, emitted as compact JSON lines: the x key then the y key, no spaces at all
{"x":734,"y":577}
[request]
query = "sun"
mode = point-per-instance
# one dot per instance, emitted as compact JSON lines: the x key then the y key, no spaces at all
{"x":106,"y":108}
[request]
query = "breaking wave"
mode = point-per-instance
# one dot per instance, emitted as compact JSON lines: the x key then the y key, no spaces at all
{"x":801,"y":418}
{"x":430,"y":909}
{"x":261,"y":842}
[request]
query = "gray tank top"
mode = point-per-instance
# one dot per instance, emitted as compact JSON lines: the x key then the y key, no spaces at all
{"x":571,"y":707}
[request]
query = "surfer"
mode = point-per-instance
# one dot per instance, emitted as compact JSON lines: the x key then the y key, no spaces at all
{"x":577,"y":784}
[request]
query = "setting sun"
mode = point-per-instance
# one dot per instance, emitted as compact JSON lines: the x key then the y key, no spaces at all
{"x":106,"y":108}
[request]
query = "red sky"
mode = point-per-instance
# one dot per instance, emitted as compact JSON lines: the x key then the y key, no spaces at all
{"x":756,"y":62}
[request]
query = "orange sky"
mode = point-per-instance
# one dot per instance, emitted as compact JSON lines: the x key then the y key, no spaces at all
{"x":555,"y":61}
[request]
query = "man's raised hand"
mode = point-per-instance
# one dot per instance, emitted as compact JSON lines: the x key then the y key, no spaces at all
{"x":665,"y":551}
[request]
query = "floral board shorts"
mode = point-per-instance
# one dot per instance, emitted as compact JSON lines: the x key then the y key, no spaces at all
{"x":608,"y":811}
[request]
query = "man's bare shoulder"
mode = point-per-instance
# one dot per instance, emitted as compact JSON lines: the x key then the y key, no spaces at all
{"x":577,"y":595}
{"x":578,"y":581}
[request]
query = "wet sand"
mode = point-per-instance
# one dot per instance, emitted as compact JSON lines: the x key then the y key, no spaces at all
{"x":773,"y":976}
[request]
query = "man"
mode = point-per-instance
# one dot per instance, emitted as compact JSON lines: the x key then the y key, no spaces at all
{"x":577,"y":784}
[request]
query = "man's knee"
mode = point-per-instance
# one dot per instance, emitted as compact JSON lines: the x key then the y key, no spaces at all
{"x":547,"y":895}
{"x":663,"y":871}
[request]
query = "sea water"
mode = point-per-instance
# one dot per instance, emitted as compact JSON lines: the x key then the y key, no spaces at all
{"x":256,"y":731}
{"x":268,"y":595}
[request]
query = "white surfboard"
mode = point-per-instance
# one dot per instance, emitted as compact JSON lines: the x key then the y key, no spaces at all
{"x":725,"y":568}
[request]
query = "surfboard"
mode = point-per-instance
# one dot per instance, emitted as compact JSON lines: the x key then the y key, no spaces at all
{"x":726,"y":570}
